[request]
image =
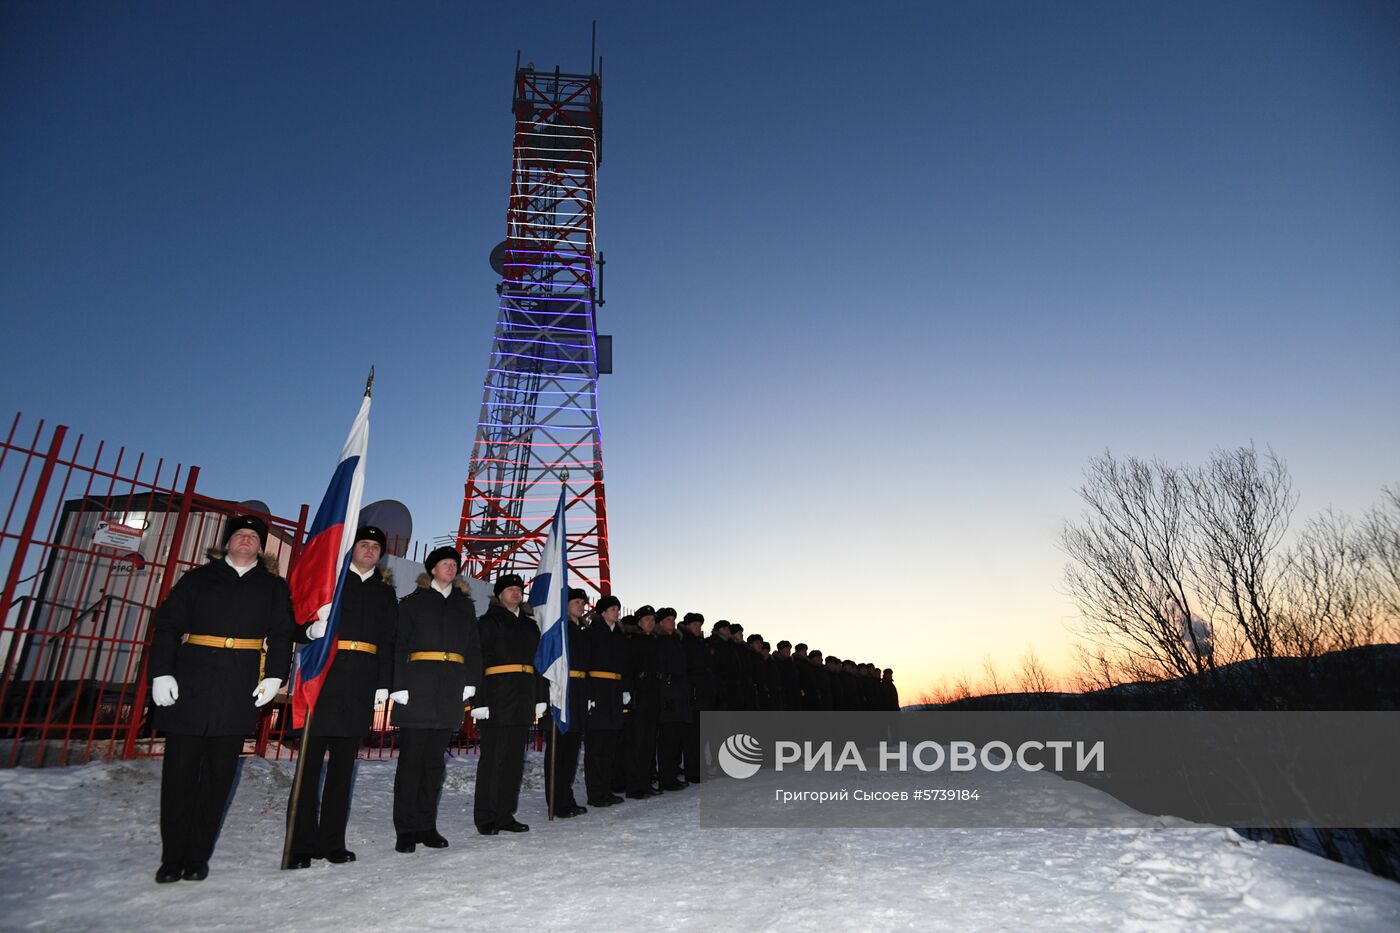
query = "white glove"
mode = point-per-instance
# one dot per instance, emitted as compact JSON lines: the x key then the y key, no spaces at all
{"x":481,"y":712}
{"x":400,"y":697}
{"x":591,"y":704}
{"x":380,"y":695}
{"x":468,"y":692}
{"x":316,"y":629}
{"x":539,"y":709}
{"x":265,"y":690}
{"x":626,"y":698}
{"x":165,"y":691}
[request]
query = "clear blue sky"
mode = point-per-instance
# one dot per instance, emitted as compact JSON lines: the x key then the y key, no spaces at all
{"x":882,"y":276}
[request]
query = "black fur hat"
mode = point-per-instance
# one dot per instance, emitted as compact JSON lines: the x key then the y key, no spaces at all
{"x":606,"y":603}
{"x":257,"y":525}
{"x":441,"y":554}
{"x":371,"y":533}
{"x":507,"y":580}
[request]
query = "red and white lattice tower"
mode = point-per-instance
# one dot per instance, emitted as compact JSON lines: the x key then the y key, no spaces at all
{"x":538,"y":430}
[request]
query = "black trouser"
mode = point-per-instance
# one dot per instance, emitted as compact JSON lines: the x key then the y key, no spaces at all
{"x":668,"y":752}
{"x":418,"y":779}
{"x":694,"y":765}
{"x":322,"y":813}
{"x":560,"y":791}
{"x":639,"y":741}
{"x":195,"y":779}
{"x":498,"y":773}
{"x":599,"y":753}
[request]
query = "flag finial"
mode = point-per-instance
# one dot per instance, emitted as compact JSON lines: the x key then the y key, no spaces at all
{"x":369,"y":383}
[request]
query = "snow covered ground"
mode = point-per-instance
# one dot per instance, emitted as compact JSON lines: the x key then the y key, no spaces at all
{"x":79,"y":847}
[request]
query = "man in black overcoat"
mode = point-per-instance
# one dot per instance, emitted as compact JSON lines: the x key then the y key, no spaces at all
{"x":512,"y":697}
{"x":358,"y":681}
{"x":755,"y":673}
{"x":789,"y":680}
{"x":209,"y":677}
{"x":724,"y":658}
{"x":673,"y":708}
{"x":437,"y":668}
{"x":700,"y":675}
{"x":561,"y":751}
{"x":639,"y":724}
{"x":806,"y":678}
{"x":772,"y":679}
{"x":608,"y":692}
{"x":891,"y":692}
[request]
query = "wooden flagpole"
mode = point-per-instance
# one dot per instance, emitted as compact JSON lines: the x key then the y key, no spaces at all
{"x":296,"y":790}
{"x":553,"y":761}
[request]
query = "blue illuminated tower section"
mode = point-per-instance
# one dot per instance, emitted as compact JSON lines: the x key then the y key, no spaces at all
{"x":538,"y":429}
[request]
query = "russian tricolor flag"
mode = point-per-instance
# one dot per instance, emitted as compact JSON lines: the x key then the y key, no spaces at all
{"x":319,"y":576}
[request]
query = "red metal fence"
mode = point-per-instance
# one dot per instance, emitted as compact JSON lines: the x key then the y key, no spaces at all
{"x":91,"y":540}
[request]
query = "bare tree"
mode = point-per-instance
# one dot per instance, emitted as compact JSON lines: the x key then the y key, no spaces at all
{"x":1177,"y":570}
{"x":930,"y":697}
{"x":992,"y":685}
{"x":1131,"y":561}
{"x":1330,"y":601}
{"x":1380,"y":539}
{"x":1093,"y":670}
{"x":1240,"y":505}
{"x":1033,"y":677}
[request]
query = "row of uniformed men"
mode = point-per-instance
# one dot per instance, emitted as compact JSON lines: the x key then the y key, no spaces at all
{"x":634,"y":714}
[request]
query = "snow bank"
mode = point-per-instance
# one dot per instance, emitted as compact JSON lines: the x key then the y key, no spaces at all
{"x":79,"y":847}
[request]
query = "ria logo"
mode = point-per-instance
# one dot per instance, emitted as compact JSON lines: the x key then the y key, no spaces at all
{"x":740,"y":756}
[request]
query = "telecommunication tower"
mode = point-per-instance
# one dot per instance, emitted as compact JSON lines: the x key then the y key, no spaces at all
{"x":538,"y":430}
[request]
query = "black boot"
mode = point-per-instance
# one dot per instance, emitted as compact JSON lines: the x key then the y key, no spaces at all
{"x":407,"y":842}
{"x":168,"y":873}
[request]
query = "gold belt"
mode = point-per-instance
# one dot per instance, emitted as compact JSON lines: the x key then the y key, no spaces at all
{"x":452,"y":656}
{"x":219,"y":641}
{"x":604,"y":675}
{"x":578,"y":673}
{"x":364,"y":646}
{"x":509,"y":669}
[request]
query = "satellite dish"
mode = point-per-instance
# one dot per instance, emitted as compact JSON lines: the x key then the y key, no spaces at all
{"x":392,"y":517}
{"x":498,"y":259}
{"x":256,"y":506}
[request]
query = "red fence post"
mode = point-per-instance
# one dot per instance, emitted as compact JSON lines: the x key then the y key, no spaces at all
{"x":172,"y":563}
{"x":36,"y":507}
{"x":26,"y":535}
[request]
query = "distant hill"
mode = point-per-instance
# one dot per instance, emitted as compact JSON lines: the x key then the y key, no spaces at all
{"x":1366,"y":678}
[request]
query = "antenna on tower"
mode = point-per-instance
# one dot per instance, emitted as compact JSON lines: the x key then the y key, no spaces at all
{"x":538,"y":425}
